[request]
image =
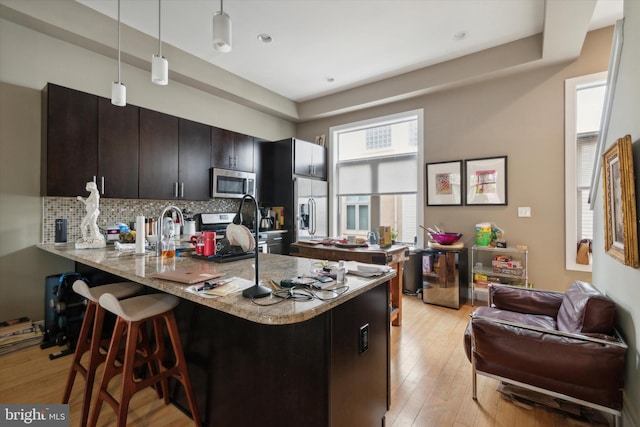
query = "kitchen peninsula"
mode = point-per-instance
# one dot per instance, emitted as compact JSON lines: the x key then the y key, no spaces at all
{"x":323,"y":362}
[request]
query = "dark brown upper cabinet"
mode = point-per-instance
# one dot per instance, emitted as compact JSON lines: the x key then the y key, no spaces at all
{"x":194,"y":160}
{"x":69,"y":141}
{"x":117,"y":150}
{"x":158,"y":178}
{"x":231,"y":150}
{"x":131,"y":152}
{"x":174,"y":157}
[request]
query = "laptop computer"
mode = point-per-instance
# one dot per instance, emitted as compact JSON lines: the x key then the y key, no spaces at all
{"x":187,"y":275}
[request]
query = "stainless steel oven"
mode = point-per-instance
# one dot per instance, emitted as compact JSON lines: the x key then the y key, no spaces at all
{"x":232,"y":184}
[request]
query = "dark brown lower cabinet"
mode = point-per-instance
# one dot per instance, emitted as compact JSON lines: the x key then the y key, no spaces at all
{"x":313,"y":373}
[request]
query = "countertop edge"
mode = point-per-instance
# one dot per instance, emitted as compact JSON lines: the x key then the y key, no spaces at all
{"x":233,"y":304}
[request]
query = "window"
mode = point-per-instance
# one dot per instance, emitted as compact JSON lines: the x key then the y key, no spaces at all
{"x":376,"y":176}
{"x":357,"y":212}
{"x":378,"y":137}
{"x":584,"y":100}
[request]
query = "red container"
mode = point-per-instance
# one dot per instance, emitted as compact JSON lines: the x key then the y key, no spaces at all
{"x":197,"y":240}
{"x":209,"y":243}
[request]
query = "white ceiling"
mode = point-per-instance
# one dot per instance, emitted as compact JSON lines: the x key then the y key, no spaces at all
{"x":376,"y":51}
{"x":353,"y":42}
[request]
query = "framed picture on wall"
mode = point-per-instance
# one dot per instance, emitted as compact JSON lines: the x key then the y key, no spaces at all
{"x":620,"y":229}
{"x":486,"y":181}
{"x":444,"y":183}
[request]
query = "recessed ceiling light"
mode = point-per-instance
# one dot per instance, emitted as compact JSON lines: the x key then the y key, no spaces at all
{"x":265,"y":38}
{"x":460,"y":35}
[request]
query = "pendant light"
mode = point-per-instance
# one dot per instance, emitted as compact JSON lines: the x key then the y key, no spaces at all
{"x":159,"y":64}
{"x":118,"y":90}
{"x":221,"y":30}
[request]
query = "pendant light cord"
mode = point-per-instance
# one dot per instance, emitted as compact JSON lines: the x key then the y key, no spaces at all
{"x":160,"y":28}
{"x":119,"y":81}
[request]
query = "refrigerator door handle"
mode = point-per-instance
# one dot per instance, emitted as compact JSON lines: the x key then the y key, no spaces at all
{"x":312,"y":216}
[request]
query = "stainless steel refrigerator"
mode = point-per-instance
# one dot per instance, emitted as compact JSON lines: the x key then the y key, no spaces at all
{"x":283,"y":181}
{"x":311,"y":198}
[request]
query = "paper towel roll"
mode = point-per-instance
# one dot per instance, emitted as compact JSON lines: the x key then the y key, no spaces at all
{"x":140,"y":234}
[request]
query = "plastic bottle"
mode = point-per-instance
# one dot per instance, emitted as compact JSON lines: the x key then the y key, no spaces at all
{"x":341,"y":274}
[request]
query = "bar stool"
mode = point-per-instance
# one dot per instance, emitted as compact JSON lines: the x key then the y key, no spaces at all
{"x":132,"y":314}
{"x":93,"y":322}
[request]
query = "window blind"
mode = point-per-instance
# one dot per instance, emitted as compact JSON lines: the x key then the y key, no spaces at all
{"x":378,"y":176}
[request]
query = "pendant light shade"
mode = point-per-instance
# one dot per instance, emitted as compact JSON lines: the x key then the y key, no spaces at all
{"x":159,"y":70}
{"x":221,"y":31}
{"x":118,"y":89}
{"x":118,"y":94}
{"x":159,"y":64}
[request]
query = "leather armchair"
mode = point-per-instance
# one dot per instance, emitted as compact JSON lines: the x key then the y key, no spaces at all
{"x":561,"y":344}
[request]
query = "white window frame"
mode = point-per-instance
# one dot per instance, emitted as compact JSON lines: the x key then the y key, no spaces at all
{"x":333,"y":155}
{"x":570,"y":169}
{"x":357,"y":205}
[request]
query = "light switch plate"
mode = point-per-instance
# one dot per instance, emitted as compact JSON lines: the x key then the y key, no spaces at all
{"x":524,"y":212}
{"x":364,"y":338}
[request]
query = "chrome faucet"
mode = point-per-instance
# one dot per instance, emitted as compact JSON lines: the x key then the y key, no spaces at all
{"x":161,"y":225}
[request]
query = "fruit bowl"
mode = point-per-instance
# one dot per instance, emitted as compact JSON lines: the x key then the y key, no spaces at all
{"x":445,"y":238}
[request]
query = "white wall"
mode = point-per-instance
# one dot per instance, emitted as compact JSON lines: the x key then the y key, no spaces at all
{"x":23,"y":267}
{"x":620,"y":282}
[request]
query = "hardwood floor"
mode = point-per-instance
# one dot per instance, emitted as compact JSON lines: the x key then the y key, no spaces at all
{"x":431,"y":376}
{"x":430,"y":381}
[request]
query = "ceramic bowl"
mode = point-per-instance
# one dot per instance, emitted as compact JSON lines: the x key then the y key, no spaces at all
{"x":239,"y":235}
{"x":446,"y":238}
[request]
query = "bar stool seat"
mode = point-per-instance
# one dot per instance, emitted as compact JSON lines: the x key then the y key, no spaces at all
{"x":132,"y":314}
{"x":92,"y":323}
{"x":141,"y":308}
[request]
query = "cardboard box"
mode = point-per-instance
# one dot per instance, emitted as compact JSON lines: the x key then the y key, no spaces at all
{"x":384,"y":233}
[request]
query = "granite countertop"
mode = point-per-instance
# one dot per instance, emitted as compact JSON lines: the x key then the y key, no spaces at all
{"x":139,"y":268}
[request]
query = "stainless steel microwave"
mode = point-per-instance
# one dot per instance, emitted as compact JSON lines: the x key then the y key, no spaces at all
{"x":231,"y":183}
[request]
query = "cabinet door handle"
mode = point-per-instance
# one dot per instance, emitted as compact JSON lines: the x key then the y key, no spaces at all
{"x":95,"y":181}
{"x":277,"y":238}
{"x":182,"y":190}
{"x":102,"y":184}
{"x":230,"y":161}
{"x":175,"y":189}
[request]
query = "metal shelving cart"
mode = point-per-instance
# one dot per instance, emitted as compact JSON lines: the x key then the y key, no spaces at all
{"x":485,"y":269}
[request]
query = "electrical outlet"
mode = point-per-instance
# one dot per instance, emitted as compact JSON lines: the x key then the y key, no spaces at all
{"x":524,"y":212}
{"x":364,"y":338}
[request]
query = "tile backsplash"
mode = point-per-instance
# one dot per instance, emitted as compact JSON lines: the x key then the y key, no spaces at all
{"x":118,"y":210}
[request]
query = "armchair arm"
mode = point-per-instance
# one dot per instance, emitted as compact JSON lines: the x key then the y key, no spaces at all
{"x":525,"y":300}
{"x":595,"y":338}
